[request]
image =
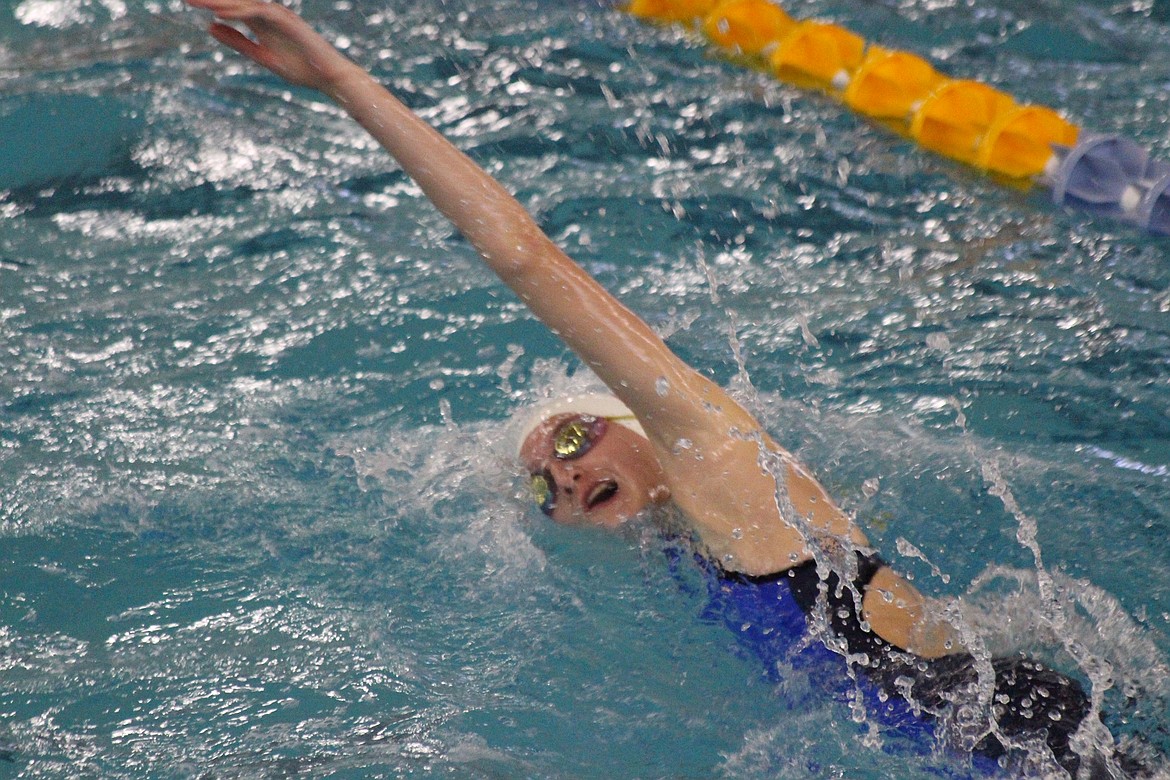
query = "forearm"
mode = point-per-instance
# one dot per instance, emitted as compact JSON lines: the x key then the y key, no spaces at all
{"x":486,"y":214}
{"x":673,"y":401}
{"x":612,"y":340}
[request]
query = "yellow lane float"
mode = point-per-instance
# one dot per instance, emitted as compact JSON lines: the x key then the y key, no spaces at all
{"x":953,"y":119}
{"x":747,"y":26}
{"x":1020,"y":143}
{"x":817,"y":52}
{"x":961,"y":119}
{"x":889,"y":83}
{"x":671,"y":11}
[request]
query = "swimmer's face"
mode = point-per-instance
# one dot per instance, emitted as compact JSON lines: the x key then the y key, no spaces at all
{"x":585,"y":469}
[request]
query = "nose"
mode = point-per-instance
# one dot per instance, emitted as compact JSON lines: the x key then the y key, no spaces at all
{"x":565,"y":475}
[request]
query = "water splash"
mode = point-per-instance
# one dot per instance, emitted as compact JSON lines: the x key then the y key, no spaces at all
{"x":908,"y":550}
{"x":1053,"y":605}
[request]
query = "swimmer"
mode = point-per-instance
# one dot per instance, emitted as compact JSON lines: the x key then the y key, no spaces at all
{"x":668,"y":434}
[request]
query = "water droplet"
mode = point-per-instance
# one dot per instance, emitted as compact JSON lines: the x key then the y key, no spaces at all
{"x":736,"y":533}
{"x":870,"y":487}
{"x":682,"y":444}
{"x":662,"y":387}
{"x":806,"y":332}
{"x":938,"y":341}
{"x":437,"y":384}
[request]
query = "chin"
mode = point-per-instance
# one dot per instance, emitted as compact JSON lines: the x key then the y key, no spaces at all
{"x":611,"y":521}
{"x":620,"y":515}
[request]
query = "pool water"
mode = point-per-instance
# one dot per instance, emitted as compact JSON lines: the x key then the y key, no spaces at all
{"x":257,"y":510}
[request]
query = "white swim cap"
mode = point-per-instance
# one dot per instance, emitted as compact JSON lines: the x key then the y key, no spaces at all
{"x":595,"y":404}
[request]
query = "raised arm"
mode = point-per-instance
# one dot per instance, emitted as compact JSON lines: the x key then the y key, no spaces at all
{"x":625,"y":353}
{"x":715,"y":478}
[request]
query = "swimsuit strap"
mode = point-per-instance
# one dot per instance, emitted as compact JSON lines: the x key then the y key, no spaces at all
{"x":867,"y":568}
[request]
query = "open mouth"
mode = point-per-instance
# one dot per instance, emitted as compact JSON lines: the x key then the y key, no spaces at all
{"x":603,"y":491}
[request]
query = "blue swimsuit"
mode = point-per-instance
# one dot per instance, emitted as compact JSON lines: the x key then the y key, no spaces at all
{"x":772,"y":615}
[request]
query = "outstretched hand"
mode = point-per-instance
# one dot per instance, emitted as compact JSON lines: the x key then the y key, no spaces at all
{"x":284,"y":43}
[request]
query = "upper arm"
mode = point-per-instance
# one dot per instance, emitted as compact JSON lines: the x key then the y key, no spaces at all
{"x":747,"y":496}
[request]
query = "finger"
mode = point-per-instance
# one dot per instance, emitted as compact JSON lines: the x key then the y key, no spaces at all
{"x":259,"y":15}
{"x":234,"y":39}
{"x":228,"y":9}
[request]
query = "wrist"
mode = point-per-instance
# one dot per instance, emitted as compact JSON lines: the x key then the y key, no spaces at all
{"x":340,"y":84}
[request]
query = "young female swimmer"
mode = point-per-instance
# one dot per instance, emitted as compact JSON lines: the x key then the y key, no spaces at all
{"x":717,"y":481}
{"x":601,"y":461}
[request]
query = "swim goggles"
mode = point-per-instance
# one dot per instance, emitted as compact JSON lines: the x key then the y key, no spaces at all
{"x":572,"y":439}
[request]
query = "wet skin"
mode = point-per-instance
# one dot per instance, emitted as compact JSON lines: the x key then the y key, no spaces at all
{"x":717,"y":483}
{"x":615,"y":479}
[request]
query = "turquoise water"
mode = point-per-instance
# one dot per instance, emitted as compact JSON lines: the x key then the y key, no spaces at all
{"x":257,"y":517}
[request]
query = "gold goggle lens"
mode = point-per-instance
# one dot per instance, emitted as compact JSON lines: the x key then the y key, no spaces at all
{"x":542,"y":492}
{"x":572,"y":440}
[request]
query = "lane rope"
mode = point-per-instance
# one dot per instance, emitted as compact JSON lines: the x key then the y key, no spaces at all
{"x":961,"y":119}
